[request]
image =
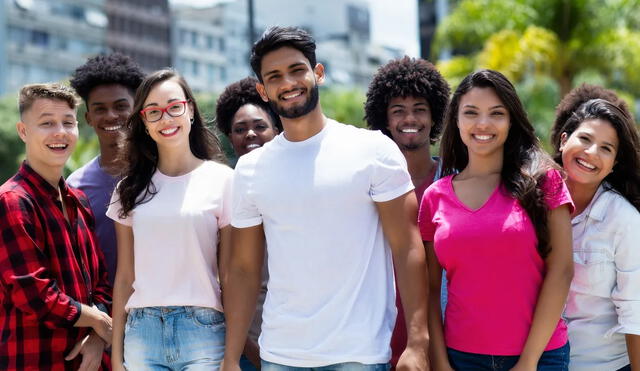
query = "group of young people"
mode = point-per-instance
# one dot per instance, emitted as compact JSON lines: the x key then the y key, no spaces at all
{"x":504,"y":257}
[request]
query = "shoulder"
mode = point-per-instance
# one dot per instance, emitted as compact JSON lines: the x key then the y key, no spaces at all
{"x":620,"y":209}
{"x":75,"y":179}
{"x":216,"y":167}
{"x":439,"y":187}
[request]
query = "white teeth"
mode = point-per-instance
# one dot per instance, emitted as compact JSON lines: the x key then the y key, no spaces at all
{"x":253,"y":146}
{"x":169,"y":131}
{"x":112,"y":128}
{"x":409,"y":130}
{"x":585,"y":164}
{"x":290,"y":96}
{"x":483,"y":137}
{"x":57,"y":145}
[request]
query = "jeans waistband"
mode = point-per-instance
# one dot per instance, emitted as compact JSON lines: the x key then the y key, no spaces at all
{"x":168,"y":311}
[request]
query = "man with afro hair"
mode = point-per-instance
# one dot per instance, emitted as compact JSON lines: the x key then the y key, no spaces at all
{"x":245,"y":118}
{"x":107,"y":85}
{"x":406,"y":100}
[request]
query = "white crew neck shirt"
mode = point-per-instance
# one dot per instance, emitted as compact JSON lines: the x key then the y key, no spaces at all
{"x":331,"y":294}
{"x":604,"y":298}
{"x":176,"y":238}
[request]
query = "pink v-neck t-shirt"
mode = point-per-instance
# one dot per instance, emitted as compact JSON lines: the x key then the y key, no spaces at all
{"x":494,"y":271}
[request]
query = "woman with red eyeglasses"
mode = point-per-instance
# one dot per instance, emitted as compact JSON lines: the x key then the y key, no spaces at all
{"x":172,"y":214}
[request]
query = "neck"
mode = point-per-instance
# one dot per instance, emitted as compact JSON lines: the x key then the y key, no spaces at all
{"x":51,"y":174}
{"x":109,"y":159}
{"x":480,"y":166}
{"x":304,"y":127}
{"x":176,"y":161}
{"x":419,"y":163}
{"x":581,"y":195}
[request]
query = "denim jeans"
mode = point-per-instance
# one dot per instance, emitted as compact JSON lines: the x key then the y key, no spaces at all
{"x":174,"y":338}
{"x":551,"y":360}
{"x":348,"y":366}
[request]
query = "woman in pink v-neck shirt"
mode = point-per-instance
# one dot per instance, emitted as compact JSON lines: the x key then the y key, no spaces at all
{"x":501,"y":230}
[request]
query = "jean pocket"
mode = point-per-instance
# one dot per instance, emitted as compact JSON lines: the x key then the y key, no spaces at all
{"x":131,"y":320}
{"x":207,"y":317}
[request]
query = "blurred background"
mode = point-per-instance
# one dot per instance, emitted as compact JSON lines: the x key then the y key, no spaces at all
{"x":546,"y":47}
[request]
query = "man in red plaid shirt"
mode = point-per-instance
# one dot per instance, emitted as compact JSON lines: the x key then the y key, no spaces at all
{"x":54,"y":294}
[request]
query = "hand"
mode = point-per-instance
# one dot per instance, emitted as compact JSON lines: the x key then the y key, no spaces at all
{"x":91,"y":349}
{"x":413,"y":359}
{"x":102,"y":326}
{"x":229,"y":366}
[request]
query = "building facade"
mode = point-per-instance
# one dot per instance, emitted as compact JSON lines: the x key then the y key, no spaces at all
{"x":46,"y":40}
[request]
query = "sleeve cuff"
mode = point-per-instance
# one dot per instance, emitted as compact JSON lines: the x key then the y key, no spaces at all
{"x":393,"y":194}
{"x":246,"y":223}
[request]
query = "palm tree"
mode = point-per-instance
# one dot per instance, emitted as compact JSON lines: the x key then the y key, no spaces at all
{"x":561,"y":39}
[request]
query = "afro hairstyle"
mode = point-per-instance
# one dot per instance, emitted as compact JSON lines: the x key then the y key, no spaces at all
{"x":407,"y":77}
{"x":104,"y":69}
{"x":237,"y":95}
{"x":574,"y":99}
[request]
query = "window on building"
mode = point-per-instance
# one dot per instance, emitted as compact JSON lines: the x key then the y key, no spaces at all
{"x":39,"y":38}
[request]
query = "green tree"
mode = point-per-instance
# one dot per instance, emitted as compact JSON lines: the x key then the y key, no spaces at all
{"x":561,"y":39}
{"x":11,"y":146}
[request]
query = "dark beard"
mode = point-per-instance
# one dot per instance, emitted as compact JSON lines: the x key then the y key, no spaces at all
{"x":295,"y":112}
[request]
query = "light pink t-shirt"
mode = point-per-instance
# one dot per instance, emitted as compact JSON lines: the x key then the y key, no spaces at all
{"x":494,"y":271}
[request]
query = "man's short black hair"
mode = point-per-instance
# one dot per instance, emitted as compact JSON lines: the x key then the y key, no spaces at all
{"x":277,"y":37}
{"x":114,"y":68}
{"x":237,"y":95}
{"x":407,"y":77}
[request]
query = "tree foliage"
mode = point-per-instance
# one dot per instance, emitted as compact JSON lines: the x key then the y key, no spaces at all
{"x":555,"y":38}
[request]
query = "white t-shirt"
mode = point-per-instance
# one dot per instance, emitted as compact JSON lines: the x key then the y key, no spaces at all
{"x":331,"y":291}
{"x":176,"y":238}
{"x":604,"y":299}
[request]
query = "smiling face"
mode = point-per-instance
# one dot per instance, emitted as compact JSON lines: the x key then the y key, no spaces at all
{"x":108,"y":107}
{"x":483,"y":122}
{"x":168,"y":131}
{"x":49,"y":130}
{"x":409,"y":122}
{"x":251,"y":127}
{"x":589,"y":153}
{"x":290,"y":83}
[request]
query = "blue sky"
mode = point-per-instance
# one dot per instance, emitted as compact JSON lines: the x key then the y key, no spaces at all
{"x":394,"y":22}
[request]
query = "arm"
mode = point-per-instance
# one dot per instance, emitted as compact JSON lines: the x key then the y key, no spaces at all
{"x":554,"y":291}
{"x":399,"y":222}
{"x":437,"y":346}
{"x":633,"y":349}
{"x":241,"y":284}
{"x":24,"y":266}
{"x":122,"y":290}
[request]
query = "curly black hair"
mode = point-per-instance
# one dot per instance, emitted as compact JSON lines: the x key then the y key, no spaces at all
{"x":407,"y":77}
{"x":114,"y":68}
{"x":237,"y":95}
{"x":574,"y":99}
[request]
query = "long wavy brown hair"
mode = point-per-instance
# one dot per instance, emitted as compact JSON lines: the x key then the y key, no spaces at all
{"x":525,"y":164}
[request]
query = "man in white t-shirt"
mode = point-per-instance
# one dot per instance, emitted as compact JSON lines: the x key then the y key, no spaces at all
{"x":335,"y":204}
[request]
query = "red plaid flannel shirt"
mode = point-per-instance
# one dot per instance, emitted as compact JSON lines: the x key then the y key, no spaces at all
{"x":47,"y":268}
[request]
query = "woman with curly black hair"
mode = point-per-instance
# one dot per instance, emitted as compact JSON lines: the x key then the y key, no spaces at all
{"x":597,"y":143}
{"x":172,"y":211}
{"x":498,"y":223}
{"x":245,"y":118}
{"x":406,"y":100}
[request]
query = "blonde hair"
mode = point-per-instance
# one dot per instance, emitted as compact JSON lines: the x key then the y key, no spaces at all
{"x":32,"y":92}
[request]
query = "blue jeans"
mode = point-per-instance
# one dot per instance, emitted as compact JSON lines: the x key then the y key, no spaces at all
{"x":551,"y":360}
{"x":348,"y":366}
{"x":174,"y":338}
